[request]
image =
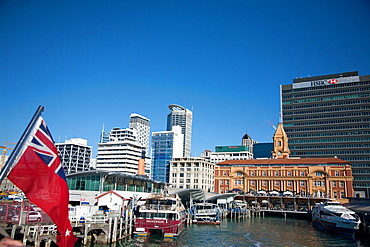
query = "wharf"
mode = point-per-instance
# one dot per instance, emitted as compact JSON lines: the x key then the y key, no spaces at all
{"x":362,"y":208}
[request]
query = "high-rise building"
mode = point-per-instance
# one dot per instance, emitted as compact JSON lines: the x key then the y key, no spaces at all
{"x":142,"y":126}
{"x":104,"y":136}
{"x":329,"y":116}
{"x":121,"y":153}
{"x":183,"y":117}
{"x":75,"y":155}
{"x":165,"y":146}
{"x":121,"y":149}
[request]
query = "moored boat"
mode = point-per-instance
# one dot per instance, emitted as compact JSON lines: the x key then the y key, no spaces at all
{"x":331,"y":215}
{"x":206,"y":213}
{"x":162,"y":214}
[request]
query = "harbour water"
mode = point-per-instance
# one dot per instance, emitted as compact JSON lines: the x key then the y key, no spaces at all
{"x":255,"y":231}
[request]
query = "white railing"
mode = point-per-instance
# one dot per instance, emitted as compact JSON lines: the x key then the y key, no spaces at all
{"x":88,"y":219}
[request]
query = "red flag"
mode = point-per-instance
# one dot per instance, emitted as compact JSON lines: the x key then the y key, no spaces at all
{"x":39,"y":174}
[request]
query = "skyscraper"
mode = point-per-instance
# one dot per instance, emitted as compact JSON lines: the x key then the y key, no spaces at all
{"x":121,"y":149}
{"x":165,"y":146}
{"x":142,"y":126}
{"x":329,"y":116}
{"x":182,"y":117}
{"x":121,"y":153}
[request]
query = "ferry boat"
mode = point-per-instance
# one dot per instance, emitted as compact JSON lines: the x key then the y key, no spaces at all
{"x":331,"y":215}
{"x":206,"y":213}
{"x":162,"y":214}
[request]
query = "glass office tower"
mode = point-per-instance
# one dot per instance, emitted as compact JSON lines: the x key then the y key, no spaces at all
{"x":329,"y":116}
{"x":165,"y":146}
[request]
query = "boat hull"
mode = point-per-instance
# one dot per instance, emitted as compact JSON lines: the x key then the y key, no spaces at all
{"x":322,"y":224}
{"x":167,"y":228}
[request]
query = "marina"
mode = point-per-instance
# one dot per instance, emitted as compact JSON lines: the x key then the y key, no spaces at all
{"x":255,"y":231}
{"x":163,"y":218}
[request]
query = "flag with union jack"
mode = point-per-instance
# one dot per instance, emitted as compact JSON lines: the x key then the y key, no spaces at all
{"x":39,"y":174}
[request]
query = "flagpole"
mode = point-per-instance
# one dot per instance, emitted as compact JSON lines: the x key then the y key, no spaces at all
{"x":22,"y":140}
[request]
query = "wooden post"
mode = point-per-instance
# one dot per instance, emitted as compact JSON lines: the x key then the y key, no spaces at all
{"x":114,"y":236}
{"x":109,"y":235}
{"x":85,"y":234}
{"x":120,"y":227}
{"x":26,"y":231}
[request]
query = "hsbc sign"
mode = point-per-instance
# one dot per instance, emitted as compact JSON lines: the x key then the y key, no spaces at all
{"x":326,"y":82}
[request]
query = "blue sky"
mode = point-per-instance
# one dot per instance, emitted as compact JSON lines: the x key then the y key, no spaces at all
{"x":91,"y":63}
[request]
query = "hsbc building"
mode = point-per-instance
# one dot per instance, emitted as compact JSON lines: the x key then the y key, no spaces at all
{"x":328,"y":116}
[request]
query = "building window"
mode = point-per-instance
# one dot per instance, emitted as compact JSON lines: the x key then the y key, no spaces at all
{"x":239,"y":174}
{"x":318,"y":174}
{"x":276,"y":183}
{"x":253,"y":183}
{"x":188,"y":181}
{"x":222,"y":182}
{"x":302,"y":183}
{"x":264,"y":183}
{"x":227,"y":182}
{"x":302,"y":173}
{"x":289,"y":183}
{"x":264,"y":173}
{"x":341,"y":184}
{"x":252,"y":173}
{"x":224,"y":173}
{"x":334,"y":183}
{"x":276,"y":173}
{"x":335,"y":194}
{"x":318,"y":183}
{"x":181,"y":175}
{"x":341,"y":194}
{"x":337,"y":173}
{"x":289,"y":173}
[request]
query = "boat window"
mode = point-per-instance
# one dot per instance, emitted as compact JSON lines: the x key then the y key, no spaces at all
{"x":158,"y":216}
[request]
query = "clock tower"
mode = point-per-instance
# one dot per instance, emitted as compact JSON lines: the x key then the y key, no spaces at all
{"x":281,"y":149}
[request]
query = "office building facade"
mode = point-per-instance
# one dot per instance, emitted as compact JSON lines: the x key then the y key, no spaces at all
{"x":232,"y":152}
{"x":262,"y":150}
{"x":192,"y":173}
{"x":183,"y":117}
{"x":121,"y":153}
{"x":329,"y":116}
{"x":142,"y":126}
{"x":75,"y":155}
{"x":227,"y":153}
{"x":166,"y":145}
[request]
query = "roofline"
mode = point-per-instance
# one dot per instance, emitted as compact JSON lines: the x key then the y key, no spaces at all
{"x":307,"y":161}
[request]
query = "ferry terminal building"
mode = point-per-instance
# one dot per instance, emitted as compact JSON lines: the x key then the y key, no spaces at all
{"x":314,"y":177}
{"x":309,"y":177}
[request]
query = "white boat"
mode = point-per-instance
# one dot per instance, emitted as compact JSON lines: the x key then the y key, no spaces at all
{"x":206,"y":213}
{"x":162,"y":214}
{"x":331,"y":215}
